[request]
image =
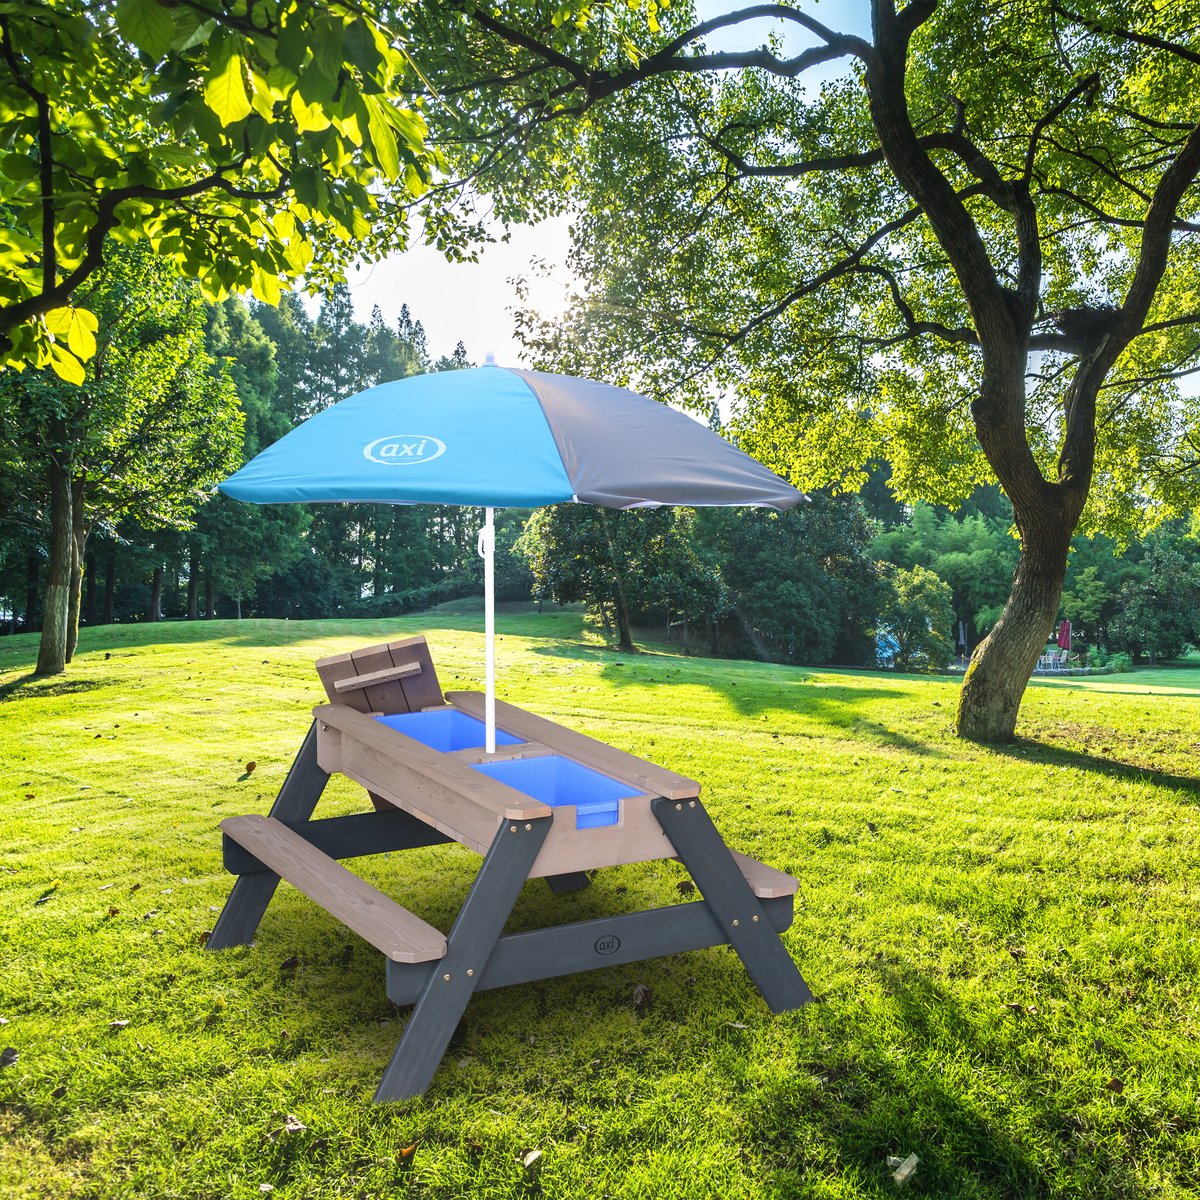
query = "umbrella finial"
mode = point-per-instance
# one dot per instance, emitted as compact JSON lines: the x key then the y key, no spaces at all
{"x":489,"y":359}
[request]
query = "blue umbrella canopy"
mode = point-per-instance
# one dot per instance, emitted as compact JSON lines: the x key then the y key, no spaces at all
{"x":499,"y":438}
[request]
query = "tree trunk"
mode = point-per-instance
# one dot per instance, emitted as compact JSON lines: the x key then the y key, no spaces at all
{"x":156,"y":585}
{"x":52,"y":649}
{"x":620,"y":604}
{"x":624,"y":632}
{"x":193,"y":587}
{"x":89,"y":579}
{"x":238,"y":602}
{"x":378,"y":573}
{"x":110,"y":585}
{"x":1003,"y":662}
{"x":33,"y":578}
{"x":78,"y":545}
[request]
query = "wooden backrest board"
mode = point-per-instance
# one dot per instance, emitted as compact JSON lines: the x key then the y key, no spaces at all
{"x":392,"y":677}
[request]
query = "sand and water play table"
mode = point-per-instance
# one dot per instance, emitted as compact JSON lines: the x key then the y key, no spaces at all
{"x":550,"y":803}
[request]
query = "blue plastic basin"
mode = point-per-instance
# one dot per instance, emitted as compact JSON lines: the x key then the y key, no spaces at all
{"x":558,"y":781}
{"x":446,"y":729}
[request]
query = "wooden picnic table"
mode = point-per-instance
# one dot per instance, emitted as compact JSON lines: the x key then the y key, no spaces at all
{"x":551,"y":803}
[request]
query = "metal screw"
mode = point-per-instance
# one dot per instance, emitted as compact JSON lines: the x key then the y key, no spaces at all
{"x":754,"y":918}
{"x":679,"y":808}
{"x":735,"y":921}
{"x":691,"y":804}
{"x":471,"y":970}
{"x":512,"y":829}
{"x":528,"y":828}
{"x":446,"y":978}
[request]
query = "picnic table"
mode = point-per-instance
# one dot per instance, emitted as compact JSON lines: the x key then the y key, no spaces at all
{"x":550,"y":803}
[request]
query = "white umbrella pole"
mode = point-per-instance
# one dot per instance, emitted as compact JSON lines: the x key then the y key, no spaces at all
{"x":487,"y":547}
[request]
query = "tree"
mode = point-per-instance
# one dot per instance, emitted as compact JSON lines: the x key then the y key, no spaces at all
{"x":604,"y":559}
{"x":151,"y":428}
{"x":248,"y":142}
{"x":1160,"y":617}
{"x":972,"y":254}
{"x":800,"y":586}
{"x":973,"y":554}
{"x":336,"y":361}
{"x":918,"y":614}
{"x":1084,"y":603}
{"x":239,"y":544}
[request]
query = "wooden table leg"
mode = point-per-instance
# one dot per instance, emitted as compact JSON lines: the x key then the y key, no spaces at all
{"x":729,"y":898}
{"x":469,"y":944}
{"x":251,"y":894}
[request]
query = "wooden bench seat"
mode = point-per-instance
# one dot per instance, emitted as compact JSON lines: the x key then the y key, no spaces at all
{"x":765,"y":882}
{"x":389,"y":927}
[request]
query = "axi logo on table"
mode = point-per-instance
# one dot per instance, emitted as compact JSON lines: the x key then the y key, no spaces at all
{"x":404,"y":449}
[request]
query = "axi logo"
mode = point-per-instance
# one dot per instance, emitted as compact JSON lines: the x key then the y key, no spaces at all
{"x":404,"y":449}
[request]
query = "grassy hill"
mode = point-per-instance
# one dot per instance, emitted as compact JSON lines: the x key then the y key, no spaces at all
{"x":1002,"y":941}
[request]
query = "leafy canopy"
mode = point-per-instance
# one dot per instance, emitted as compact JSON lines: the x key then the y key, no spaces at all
{"x":860,"y":237}
{"x":249,"y":142}
{"x":156,"y":422}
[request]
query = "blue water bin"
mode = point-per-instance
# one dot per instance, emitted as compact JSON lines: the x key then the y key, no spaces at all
{"x":446,"y":729}
{"x":559,"y":781}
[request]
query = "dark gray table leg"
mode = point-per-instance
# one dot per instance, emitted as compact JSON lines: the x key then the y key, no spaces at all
{"x":251,"y":894}
{"x":729,"y":898}
{"x":469,"y":945}
{"x":571,"y":882}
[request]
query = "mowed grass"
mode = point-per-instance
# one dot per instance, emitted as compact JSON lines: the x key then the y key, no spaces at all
{"x":1004,"y":943}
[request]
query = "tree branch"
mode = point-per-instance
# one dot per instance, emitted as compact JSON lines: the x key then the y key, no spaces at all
{"x":107,"y":220}
{"x":1130,"y":35}
{"x":1079,"y":440}
{"x":45,"y":158}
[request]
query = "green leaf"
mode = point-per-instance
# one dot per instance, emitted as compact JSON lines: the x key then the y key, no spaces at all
{"x":147,"y":24}
{"x":198,"y":36}
{"x":291,"y":48}
{"x":310,"y":118}
{"x":65,"y":365}
{"x":306,"y":183}
{"x":58,"y":321}
{"x":81,"y":333}
{"x":360,"y":48}
{"x":383,"y":140}
{"x":225,"y":90}
{"x":19,"y":167}
{"x":75,"y":328}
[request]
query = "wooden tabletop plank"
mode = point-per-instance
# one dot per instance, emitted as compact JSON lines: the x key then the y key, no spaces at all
{"x":628,"y":768}
{"x":499,"y":800}
{"x":389,"y":927}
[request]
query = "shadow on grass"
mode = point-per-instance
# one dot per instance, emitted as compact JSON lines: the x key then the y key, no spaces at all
{"x":267,"y":632}
{"x":838,"y":706}
{"x":981,"y":1122}
{"x":915,"y":1071}
{"x":1026,"y":751}
{"x":31,"y":686}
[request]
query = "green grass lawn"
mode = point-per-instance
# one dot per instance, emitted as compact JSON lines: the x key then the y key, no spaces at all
{"x":1004,"y":943}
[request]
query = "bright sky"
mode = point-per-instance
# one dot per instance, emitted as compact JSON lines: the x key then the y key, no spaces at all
{"x":474,"y":301}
